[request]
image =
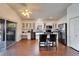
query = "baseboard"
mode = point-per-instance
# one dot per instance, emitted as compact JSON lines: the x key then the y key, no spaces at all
{"x":74,"y":49}
{"x":18,"y":40}
{"x":12,"y":44}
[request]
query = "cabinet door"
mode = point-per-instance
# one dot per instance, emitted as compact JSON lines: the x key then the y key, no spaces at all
{"x":74,"y":33}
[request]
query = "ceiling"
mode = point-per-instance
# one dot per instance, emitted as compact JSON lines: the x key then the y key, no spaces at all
{"x":48,"y":11}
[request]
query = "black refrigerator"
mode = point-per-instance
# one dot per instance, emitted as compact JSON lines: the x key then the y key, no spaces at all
{"x":10,"y":33}
{"x":62,"y":33}
{"x":2,"y":35}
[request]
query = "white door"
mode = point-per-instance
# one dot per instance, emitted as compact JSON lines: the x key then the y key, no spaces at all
{"x":72,"y":37}
{"x":74,"y":33}
{"x":77,"y":33}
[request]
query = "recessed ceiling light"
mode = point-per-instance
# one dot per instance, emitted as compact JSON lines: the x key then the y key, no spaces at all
{"x":39,"y":19}
{"x":50,"y":17}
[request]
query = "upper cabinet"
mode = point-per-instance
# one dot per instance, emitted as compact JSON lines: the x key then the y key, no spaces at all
{"x":73,"y":11}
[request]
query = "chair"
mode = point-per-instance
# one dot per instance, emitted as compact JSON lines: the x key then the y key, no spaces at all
{"x":42,"y":40}
{"x":52,"y":40}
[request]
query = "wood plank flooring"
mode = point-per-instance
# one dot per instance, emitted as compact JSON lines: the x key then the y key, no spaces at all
{"x":31,"y":48}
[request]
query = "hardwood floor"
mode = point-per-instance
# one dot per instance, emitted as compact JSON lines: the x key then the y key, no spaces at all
{"x":31,"y":48}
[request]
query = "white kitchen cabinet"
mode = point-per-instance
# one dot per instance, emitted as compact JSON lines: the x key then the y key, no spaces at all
{"x":73,"y":11}
{"x":38,"y":34}
{"x":28,"y":36}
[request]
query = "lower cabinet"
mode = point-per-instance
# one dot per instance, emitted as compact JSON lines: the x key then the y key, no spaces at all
{"x":29,"y":36}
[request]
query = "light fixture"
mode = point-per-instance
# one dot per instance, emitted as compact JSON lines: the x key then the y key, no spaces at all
{"x":26,"y":13}
{"x":50,"y":17}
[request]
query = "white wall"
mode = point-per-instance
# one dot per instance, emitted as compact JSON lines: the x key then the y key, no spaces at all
{"x":72,"y":13}
{"x":62,"y":20}
{"x":7,"y":13}
{"x":73,"y":10}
